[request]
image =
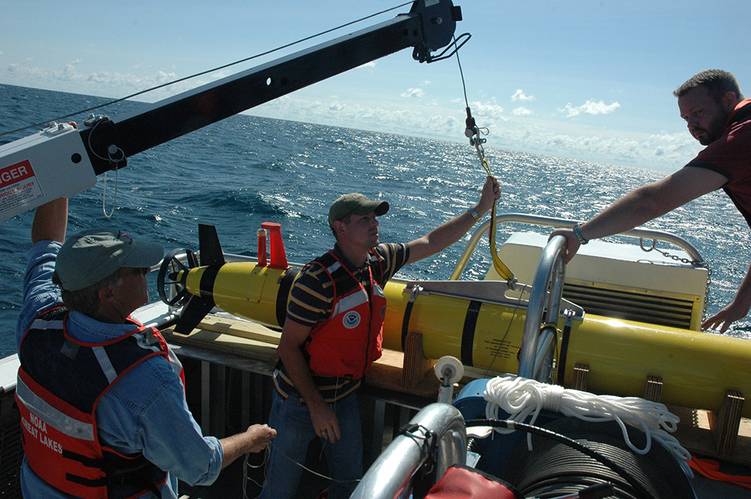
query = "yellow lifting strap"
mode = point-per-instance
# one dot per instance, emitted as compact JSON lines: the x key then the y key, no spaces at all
{"x":500,"y":267}
{"x":472,"y":132}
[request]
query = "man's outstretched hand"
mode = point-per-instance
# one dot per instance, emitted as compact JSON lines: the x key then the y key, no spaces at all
{"x":572,"y":244}
{"x":725,"y":317}
{"x":491,"y":192}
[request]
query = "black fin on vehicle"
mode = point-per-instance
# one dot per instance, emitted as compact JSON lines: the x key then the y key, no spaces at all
{"x":208,"y":245}
{"x":193,"y":313}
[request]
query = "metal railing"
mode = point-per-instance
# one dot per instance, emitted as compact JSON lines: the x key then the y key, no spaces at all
{"x":563,"y":223}
{"x":538,"y":342}
{"x":436,"y":433}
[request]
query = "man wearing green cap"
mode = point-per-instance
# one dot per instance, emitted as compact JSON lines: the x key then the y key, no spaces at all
{"x":333,"y":332}
{"x":100,"y":396}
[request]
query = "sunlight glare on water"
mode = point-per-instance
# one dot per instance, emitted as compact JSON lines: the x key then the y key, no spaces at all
{"x":245,"y":170}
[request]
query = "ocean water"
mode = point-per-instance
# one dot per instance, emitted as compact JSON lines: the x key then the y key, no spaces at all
{"x":245,"y":170}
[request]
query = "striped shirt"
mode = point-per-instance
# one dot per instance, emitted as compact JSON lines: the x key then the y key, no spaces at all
{"x":313,"y":292}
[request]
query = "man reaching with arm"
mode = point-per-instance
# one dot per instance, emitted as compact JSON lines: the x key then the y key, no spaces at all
{"x":333,"y":333}
{"x":718,"y":117}
{"x":100,"y":396}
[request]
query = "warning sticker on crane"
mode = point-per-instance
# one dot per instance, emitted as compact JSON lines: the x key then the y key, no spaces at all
{"x":18,"y":186}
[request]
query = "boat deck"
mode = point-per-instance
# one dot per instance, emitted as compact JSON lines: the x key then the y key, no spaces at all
{"x":249,"y":349}
{"x":228,"y":363}
{"x":384,"y":412}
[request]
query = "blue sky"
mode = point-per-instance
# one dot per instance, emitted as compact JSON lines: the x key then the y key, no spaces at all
{"x":584,"y":79}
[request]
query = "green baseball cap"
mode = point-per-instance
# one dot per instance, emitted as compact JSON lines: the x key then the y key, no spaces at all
{"x":88,"y":257}
{"x":355,"y":203}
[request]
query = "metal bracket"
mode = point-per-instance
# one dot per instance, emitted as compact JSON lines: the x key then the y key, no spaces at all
{"x":653,"y":388}
{"x":437,"y":24}
{"x":726,"y":424}
{"x":581,"y":377}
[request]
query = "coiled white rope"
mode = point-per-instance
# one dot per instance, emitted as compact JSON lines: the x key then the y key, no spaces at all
{"x":522,"y":398}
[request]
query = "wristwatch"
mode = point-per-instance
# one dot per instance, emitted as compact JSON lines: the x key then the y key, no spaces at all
{"x":474,"y":213}
{"x":578,"y":234}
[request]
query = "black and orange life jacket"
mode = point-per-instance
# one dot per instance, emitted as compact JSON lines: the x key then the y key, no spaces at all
{"x":60,"y":384}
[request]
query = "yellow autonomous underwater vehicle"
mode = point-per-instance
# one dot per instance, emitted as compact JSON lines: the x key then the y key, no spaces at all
{"x":498,"y":326}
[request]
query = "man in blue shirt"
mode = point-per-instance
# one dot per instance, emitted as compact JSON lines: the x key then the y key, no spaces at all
{"x":140,"y":415}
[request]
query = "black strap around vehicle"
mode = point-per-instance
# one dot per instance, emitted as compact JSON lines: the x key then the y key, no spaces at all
{"x":281,"y":297}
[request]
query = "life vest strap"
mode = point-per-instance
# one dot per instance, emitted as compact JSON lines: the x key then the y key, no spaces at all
{"x":86,"y":482}
{"x":86,"y":461}
{"x":332,"y":389}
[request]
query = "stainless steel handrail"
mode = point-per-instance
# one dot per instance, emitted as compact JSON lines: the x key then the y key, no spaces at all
{"x":391,"y":474}
{"x":550,"y":273}
{"x":564,"y":223}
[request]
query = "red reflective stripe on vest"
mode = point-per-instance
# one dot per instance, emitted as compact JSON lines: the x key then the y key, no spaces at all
{"x":339,"y":345}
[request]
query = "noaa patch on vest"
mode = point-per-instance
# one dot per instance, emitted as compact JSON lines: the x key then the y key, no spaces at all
{"x":351,"y":319}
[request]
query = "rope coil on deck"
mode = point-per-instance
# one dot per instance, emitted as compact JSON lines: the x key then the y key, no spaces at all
{"x":522,"y":398}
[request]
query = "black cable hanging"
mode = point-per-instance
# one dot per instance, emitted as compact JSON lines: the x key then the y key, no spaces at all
{"x":239,"y":61}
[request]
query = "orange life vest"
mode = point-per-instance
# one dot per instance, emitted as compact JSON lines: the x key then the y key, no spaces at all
{"x":352,"y":337}
{"x":60,"y":384}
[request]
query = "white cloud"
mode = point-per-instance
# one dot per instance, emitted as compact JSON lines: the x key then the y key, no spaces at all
{"x":423,"y":116}
{"x":519,"y":95}
{"x":521,"y":111}
{"x":590,"y":107}
{"x":131,"y":80}
{"x":69,"y":70}
{"x":561,"y":138}
{"x":665,"y":150}
{"x":70,"y":77}
{"x":413,"y":92}
{"x":489,"y":108}
{"x":555,"y":137}
{"x":426,"y":83}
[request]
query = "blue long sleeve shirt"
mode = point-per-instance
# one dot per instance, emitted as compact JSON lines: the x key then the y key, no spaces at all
{"x":145,"y":411}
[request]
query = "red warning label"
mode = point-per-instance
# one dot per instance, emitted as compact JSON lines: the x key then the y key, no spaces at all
{"x":19,"y":187}
{"x":15,"y":173}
